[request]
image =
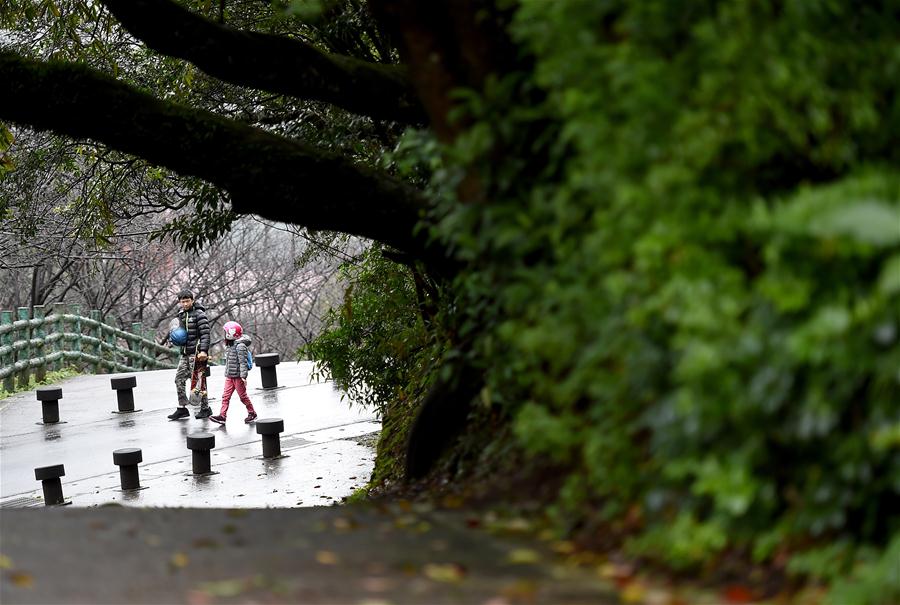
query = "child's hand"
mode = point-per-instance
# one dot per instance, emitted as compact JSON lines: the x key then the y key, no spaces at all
{"x":201,"y":356}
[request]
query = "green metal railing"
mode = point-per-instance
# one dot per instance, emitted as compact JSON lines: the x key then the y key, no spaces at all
{"x":57,"y":335}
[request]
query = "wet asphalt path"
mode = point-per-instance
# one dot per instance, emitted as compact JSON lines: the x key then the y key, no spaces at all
{"x":322,"y":459}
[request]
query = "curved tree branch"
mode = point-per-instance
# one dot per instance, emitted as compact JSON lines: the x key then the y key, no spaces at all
{"x":265,"y":174}
{"x":272,"y":63}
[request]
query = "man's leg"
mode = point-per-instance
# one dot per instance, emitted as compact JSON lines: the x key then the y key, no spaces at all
{"x":181,"y":375}
{"x":200,"y":375}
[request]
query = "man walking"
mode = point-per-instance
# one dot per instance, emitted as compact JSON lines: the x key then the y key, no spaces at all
{"x":194,"y":352}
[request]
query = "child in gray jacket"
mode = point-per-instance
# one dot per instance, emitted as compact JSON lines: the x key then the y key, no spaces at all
{"x":236,"y":369}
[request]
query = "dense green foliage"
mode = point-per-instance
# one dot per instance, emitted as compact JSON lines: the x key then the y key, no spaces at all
{"x":695,"y":304}
{"x":396,"y":344}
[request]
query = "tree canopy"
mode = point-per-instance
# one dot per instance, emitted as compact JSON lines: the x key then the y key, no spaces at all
{"x":650,"y":248}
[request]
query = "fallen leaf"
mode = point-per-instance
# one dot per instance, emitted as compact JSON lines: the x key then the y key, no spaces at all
{"x":517,"y":525}
{"x":224,"y":588}
{"x":564,"y":547}
{"x":520,"y":591}
{"x":5,"y":562}
{"x":205,"y":543}
{"x":179,"y":560}
{"x":236,"y":512}
{"x":377,"y":584}
{"x":152,"y":540}
{"x":658,"y":596}
{"x":198,"y":597}
{"x":405,"y":521}
{"x":633,"y":592}
{"x":326,"y":557}
{"x":738,"y":594}
{"x":453,"y":501}
{"x":615,"y":571}
{"x":439,"y":545}
{"x":522,"y":556}
{"x":343,"y":524}
{"x":451,"y":573}
{"x":21,"y":579}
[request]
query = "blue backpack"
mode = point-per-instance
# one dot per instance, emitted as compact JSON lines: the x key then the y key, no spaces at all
{"x":249,"y":359}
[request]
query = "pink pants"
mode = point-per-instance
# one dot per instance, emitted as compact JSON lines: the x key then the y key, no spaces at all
{"x":232,"y":385}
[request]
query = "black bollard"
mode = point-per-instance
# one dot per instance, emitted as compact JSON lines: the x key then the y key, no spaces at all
{"x":49,"y":478}
{"x":200,"y":444}
{"x":49,"y":398}
{"x":267,"y":363}
{"x":123,"y":387}
{"x":127,"y":460}
{"x":269,"y":429}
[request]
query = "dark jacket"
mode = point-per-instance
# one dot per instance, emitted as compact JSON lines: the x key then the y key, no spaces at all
{"x":197,"y":326}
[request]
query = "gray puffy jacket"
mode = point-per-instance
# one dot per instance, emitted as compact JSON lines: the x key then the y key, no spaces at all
{"x":236,"y":358}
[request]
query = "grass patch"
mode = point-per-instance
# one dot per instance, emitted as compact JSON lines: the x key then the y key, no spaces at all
{"x":49,"y":378}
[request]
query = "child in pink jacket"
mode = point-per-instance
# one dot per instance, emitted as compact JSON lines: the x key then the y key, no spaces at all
{"x":235,"y":371}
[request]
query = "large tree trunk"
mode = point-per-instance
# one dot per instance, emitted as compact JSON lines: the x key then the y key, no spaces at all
{"x":447,"y":45}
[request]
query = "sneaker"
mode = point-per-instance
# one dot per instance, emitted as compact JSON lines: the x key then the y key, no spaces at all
{"x":250,"y":417}
{"x":179,"y":413}
{"x":204,"y":413}
{"x":219,"y":419}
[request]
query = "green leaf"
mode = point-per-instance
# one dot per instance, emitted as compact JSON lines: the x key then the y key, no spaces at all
{"x":6,"y":137}
{"x":889,"y":282}
{"x":867,"y":221}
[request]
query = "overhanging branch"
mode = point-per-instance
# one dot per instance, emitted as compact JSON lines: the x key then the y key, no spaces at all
{"x":272,"y":63}
{"x":265,"y":174}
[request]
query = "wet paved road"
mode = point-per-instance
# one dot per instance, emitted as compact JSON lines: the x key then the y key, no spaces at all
{"x":354,"y":555}
{"x":233,"y":539}
{"x":323,"y":461}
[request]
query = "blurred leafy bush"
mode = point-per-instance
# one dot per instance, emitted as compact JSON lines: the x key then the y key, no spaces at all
{"x":685,"y":282}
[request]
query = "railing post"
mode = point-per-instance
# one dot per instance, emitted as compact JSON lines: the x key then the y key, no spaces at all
{"x":40,"y":373}
{"x":137,"y":328}
{"x":22,"y":379}
{"x":113,"y":349}
{"x":76,"y":330}
{"x":57,"y":327}
{"x":6,"y":318}
{"x":151,"y":352}
{"x":97,"y":333}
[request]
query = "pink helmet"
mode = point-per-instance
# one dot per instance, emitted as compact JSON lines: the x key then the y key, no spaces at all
{"x":233,"y":330}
